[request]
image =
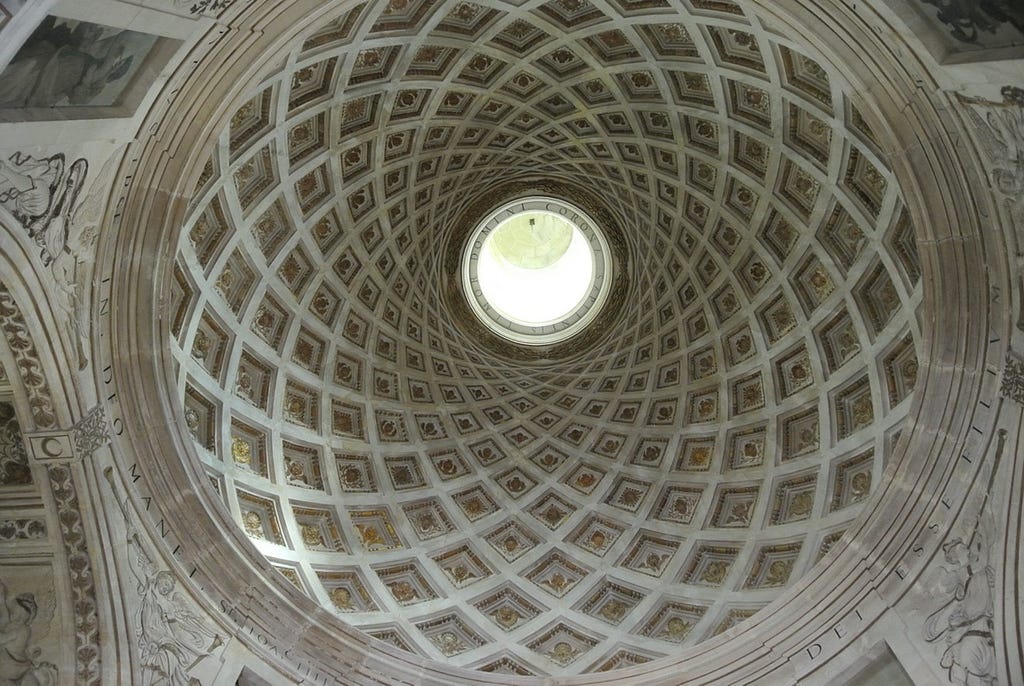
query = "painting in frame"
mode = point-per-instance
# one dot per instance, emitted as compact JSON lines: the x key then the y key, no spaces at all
{"x":70,"y":69}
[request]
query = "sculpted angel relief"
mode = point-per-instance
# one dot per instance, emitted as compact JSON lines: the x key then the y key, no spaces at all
{"x":19,"y":655}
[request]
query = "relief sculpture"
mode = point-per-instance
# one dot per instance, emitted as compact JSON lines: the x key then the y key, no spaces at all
{"x":1001,"y":134}
{"x":964,"y":622}
{"x":40,"y":193}
{"x":45,"y":196}
{"x":966,"y":584}
{"x":72,"y":266}
{"x":19,"y":655}
{"x":172,"y":639}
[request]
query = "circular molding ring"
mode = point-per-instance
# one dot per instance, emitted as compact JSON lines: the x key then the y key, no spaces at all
{"x":562,"y":327}
{"x":620,"y":280}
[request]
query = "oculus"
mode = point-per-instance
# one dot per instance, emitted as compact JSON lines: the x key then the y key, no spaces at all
{"x":536,"y":271}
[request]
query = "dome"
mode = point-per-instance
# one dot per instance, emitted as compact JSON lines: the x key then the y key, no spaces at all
{"x":399,"y":447}
{"x":522,"y":342}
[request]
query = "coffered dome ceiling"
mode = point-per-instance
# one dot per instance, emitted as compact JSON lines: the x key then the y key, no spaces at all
{"x":600,"y":502}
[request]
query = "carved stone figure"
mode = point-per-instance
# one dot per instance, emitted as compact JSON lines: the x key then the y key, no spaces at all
{"x":1001,"y":133}
{"x":966,"y":584}
{"x":41,"y":194}
{"x":172,"y":639}
{"x":19,"y":659}
{"x":965,"y":618}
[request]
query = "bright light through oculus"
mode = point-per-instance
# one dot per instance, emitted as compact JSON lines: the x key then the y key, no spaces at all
{"x":532,"y":240}
{"x":536,"y":271}
{"x":535,"y":268}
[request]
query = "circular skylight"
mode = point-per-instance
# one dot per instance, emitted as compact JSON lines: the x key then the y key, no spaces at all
{"x":536,"y":270}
